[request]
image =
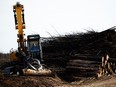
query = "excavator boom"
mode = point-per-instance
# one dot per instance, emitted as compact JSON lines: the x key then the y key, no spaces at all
{"x":18,"y":10}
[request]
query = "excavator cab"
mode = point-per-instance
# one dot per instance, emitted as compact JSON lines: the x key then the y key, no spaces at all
{"x":34,"y":46}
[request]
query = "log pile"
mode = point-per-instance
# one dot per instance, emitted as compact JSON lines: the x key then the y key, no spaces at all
{"x":82,"y":53}
{"x":107,"y":67}
{"x":80,"y":66}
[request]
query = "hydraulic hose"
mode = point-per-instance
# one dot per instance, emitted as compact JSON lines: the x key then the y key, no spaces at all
{"x":30,"y":65}
{"x":38,"y":63}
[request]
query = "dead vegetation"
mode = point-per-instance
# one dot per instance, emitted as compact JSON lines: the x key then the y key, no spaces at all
{"x":81,"y":54}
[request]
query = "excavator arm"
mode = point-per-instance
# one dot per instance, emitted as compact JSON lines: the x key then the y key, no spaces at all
{"x":18,"y":10}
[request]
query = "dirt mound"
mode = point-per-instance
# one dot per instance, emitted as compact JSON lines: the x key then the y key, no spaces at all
{"x":29,"y":81}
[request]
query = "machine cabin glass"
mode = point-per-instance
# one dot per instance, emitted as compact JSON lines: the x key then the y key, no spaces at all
{"x":33,"y":46}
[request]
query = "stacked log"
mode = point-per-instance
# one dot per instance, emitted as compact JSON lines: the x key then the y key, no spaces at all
{"x":107,"y":67}
{"x":81,"y":54}
{"x":82,"y":65}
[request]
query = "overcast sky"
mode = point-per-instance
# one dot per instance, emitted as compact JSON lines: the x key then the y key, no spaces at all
{"x":62,"y":16}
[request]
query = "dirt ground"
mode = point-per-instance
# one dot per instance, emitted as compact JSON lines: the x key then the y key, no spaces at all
{"x":106,"y":81}
{"x":29,"y":81}
{"x":48,"y":81}
{"x":54,"y":81}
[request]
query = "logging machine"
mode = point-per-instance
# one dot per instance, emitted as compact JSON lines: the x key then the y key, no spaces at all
{"x":28,"y":57}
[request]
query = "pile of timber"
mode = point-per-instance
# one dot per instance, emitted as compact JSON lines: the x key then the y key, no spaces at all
{"x":107,"y":67}
{"x":80,"y":66}
{"x":81,"y":54}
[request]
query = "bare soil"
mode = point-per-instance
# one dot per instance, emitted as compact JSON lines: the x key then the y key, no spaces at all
{"x":49,"y":81}
{"x":53,"y":81}
{"x":105,"y":81}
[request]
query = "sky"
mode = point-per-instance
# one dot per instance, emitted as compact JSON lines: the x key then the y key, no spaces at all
{"x":54,"y":17}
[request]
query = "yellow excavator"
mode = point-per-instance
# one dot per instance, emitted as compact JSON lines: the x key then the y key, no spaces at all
{"x":26,"y":60}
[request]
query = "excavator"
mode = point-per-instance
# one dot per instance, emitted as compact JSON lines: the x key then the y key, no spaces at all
{"x":27,"y":59}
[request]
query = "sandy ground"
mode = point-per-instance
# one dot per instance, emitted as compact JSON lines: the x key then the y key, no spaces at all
{"x":105,"y":81}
